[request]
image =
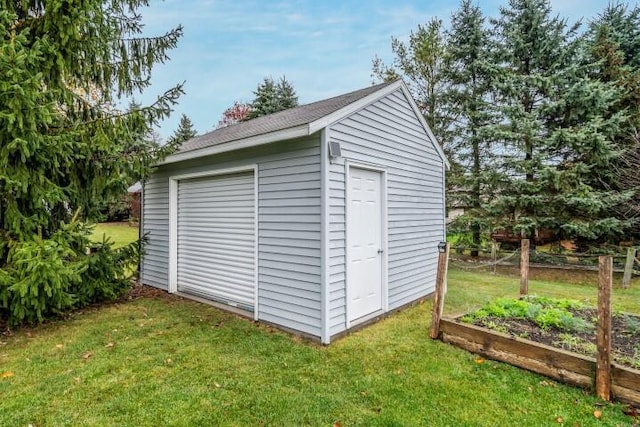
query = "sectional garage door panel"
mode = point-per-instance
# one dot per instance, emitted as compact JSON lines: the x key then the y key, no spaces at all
{"x":216,"y":238}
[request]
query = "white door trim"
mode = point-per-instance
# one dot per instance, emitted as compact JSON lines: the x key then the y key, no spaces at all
{"x":384,"y":224}
{"x":173,"y":223}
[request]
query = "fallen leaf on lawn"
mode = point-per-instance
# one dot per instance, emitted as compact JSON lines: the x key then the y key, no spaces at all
{"x":337,"y":424}
{"x":217,"y":385}
{"x":6,"y":374}
{"x":559,"y":420}
{"x":77,"y":379}
{"x":479,"y":360}
{"x":109,"y":345}
{"x":87,"y":354}
{"x":631,"y":411}
{"x":168,"y":361}
{"x":597,"y":414}
{"x":59,"y":346}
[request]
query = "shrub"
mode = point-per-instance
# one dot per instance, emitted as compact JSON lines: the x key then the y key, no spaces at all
{"x":43,"y":277}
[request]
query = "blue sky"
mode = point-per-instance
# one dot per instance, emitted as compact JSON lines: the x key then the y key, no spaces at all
{"x":324,"y":48}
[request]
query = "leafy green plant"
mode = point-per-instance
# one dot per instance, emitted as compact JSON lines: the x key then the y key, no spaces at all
{"x":632,"y":323}
{"x":575,"y":343}
{"x":544,"y":312}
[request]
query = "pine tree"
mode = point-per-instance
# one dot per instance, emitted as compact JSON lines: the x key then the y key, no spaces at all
{"x":286,"y":95}
{"x":64,"y":147}
{"x":271,"y":97}
{"x":184,"y":132}
{"x":556,"y":129}
{"x":613,"y":40}
{"x":468,"y":99}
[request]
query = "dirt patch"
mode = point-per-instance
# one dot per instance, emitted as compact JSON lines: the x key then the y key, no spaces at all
{"x":138,"y":291}
{"x":625,"y":334}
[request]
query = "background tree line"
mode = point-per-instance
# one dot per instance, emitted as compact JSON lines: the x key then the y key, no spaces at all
{"x":539,"y":117}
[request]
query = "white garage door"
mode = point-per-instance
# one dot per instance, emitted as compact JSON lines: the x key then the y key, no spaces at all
{"x":216,"y":238}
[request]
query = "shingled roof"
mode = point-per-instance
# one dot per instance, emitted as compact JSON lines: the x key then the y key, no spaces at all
{"x":290,"y":118}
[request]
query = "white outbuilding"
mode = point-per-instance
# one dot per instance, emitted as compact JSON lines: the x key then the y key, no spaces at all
{"x":314,"y":219}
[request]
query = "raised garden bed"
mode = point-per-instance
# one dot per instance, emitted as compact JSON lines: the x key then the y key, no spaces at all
{"x":530,"y":338}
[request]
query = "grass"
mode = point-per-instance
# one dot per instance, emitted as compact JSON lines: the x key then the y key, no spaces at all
{"x":121,"y":233}
{"x":163,"y":360}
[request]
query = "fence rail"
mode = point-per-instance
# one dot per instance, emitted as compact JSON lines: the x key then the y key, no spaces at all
{"x":491,"y":256}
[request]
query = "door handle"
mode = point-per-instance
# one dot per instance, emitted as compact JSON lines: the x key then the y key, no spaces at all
{"x":380,"y":251}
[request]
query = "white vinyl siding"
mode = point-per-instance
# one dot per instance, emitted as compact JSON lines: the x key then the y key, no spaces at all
{"x":155,"y":223}
{"x":388,"y":134}
{"x":216,"y":238}
{"x":288,"y":227}
{"x":289,"y":239}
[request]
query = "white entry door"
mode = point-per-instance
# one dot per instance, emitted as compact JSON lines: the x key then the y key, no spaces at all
{"x":365,"y":244}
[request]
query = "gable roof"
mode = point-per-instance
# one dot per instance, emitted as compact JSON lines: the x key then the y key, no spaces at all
{"x":295,"y":122}
{"x":292,"y":117}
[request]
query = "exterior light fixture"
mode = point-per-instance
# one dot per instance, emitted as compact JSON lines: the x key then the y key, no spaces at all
{"x":442,"y":247}
{"x":334,"y":150}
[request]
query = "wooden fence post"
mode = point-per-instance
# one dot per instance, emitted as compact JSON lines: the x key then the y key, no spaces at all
{"x":494,"y":255}
{"x":524,"y":267}
{"x":603,"y":337}
{"x":628,"y":267}
{"x":441,"y":287}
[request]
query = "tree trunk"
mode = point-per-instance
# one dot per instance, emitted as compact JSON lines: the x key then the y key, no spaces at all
{"x":475,"y":227}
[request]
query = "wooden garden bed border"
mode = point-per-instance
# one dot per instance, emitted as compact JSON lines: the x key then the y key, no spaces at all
{"x":561,"y":365}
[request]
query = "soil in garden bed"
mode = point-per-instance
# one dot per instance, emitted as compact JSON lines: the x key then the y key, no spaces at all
{"x":625,"y":334}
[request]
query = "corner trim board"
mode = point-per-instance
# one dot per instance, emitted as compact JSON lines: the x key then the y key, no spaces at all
{"x":325,"y":292}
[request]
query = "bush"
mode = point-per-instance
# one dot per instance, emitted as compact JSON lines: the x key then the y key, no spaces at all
{"x":44,"y":277}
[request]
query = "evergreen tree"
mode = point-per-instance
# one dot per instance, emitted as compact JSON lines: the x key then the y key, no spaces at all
{"x":285,"y":95}
{"x":422,"y":63}
{"x":614,"y":42}
{"x":184,"y":132}
{"x":63,"y":146}
{"x":556,"y":129}
{"x":467,"y":98}
{"x":271,"y":97}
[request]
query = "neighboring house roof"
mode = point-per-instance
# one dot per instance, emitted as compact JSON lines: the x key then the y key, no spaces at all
{"x":135,"y":188}
{"x":295,"y":122}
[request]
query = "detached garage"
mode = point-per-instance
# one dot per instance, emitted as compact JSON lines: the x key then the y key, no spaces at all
{"x":314,"y":219}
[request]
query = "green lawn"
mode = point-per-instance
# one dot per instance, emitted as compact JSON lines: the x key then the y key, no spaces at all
{"x":120,"y":233}
{"x":167,"y":361}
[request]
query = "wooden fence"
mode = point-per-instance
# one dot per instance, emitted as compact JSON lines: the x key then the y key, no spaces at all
{"x":609,"y":379}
